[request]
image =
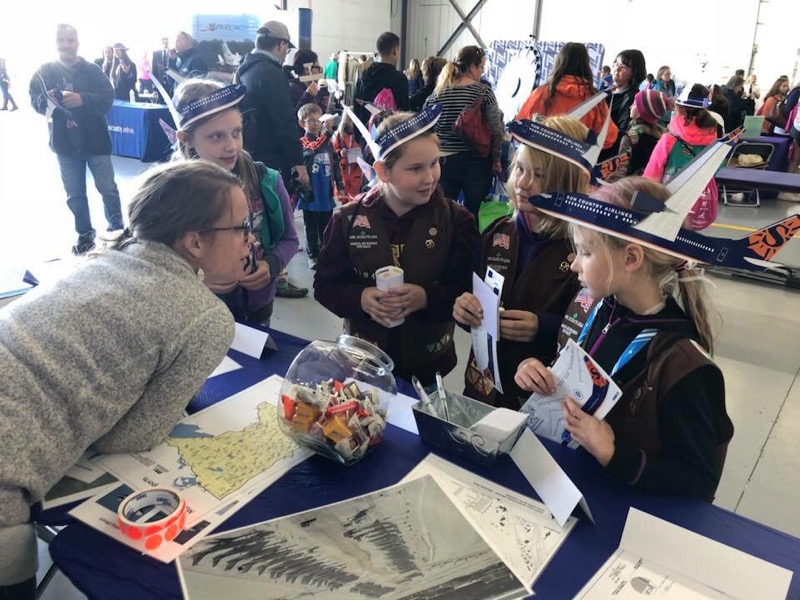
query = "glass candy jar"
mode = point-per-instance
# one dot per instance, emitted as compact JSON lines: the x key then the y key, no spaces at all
{"x":335,"y":398}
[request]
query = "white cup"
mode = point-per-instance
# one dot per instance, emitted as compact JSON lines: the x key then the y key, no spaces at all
{"x":388,"y":278}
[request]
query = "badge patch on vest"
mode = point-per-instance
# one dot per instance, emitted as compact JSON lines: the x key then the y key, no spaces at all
{"x":432,"y":231}
{"x":503,"y":240}
{"x":361,"y":221}
{"x":585,"y":300}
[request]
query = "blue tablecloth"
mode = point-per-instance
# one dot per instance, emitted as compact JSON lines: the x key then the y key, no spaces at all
{"x":103,"y":568}
{"x":136,"y":132}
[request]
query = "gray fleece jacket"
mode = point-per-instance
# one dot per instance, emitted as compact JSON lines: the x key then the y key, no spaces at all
{"x":109,"y":356}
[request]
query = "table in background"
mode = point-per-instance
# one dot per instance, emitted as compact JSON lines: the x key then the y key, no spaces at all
{"x":103,"y":568}
{"x":136,"y":132}
{"x":779,"y":160}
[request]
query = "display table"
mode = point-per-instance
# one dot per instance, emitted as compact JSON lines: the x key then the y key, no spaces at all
{"x":780,"y":154}
{"x":103,"y":568}
{"x":136,"y":132}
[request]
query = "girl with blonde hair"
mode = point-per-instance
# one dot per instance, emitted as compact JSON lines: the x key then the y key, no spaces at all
{"x":643,"y":316}
{"x":531,"y":251}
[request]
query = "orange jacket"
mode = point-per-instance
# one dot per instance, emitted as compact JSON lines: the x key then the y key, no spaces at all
{"x":570,"y":92}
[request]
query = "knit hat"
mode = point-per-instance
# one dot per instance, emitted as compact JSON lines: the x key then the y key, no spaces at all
{"x":651,"y":105}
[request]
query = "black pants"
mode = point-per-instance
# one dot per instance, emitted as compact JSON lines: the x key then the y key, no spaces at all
{"x":472,"y":175}
{"x":19,"y":591}
{"x":315,"y":223}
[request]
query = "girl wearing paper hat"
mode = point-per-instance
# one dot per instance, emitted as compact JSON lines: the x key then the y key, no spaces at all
{"x":670,"y":430}
{"x":692,"y":129}
{"x":210,"y":128}
{"x":404,"y":221}
{"x":531,"y":251}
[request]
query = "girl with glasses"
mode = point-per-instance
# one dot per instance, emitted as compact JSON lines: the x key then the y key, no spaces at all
{"x":210,"y":128}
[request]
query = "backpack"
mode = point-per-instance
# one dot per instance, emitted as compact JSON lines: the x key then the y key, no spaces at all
{"x":385,"y":100}
{"x":704,"y":212}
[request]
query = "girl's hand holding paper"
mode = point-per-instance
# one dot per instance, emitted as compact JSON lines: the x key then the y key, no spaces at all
{"x":533,"y":376}
{"x":594,"y":435}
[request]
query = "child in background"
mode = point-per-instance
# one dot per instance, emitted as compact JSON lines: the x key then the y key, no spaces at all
{"x":532,"y":252}
{"x":210,"y":128}
{"x":344,"y":141}
{"x":405,"y":221}
{"x":322,"y":164}
{"x":670,"y":430}
{"x":640,"y":140}
{"x":132,"y":333}
{"x":692,"y":128}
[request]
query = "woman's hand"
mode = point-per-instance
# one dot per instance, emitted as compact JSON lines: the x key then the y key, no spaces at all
{"x":467,"y":310}
{"x":533,"y":376}
{"x":591,"y":433}
{"x":405,"y":300}
{"x":258,"y":278}
{"x":518,"y":325}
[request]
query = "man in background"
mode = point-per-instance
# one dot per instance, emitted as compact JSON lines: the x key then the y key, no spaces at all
{"x":382,"y":75}
{"x":269,"y":119}
{"x":76,"y":96}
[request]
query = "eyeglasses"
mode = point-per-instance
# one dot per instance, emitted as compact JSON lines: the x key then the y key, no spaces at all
{"x":246,"y":228}
{"x":619,"y":65}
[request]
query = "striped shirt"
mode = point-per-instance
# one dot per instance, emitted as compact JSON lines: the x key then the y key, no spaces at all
{"x":454,"y":100}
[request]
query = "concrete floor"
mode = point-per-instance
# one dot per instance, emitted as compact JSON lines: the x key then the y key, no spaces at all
{"x":757,"y":347}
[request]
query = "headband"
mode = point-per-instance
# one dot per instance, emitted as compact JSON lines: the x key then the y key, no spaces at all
{"x":216,"y":101}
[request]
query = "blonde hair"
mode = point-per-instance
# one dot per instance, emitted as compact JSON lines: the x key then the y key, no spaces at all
{"x":392,"y":120}
{"x":663,"y":268}
{"x":194,"y":89}
{"x":414,"y":69}
{"x":467,"y":57}
{"x":559,"y":175}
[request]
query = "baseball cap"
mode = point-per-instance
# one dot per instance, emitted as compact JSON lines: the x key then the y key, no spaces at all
{"x":276,"y":30}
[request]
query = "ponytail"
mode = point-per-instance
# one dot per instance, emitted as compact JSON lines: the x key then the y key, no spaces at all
{"x":468,"y":56}
{"x":695,"y":304}
{"x":447,"y":78}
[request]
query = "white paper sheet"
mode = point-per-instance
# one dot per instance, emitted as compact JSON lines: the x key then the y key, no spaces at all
{"x":84,"y":480}
{"x":580,"y":377}
{"x":400,"y":413}
{"x":217,"y":459}
{"x":519,"y":529}
{"x":249,"y":341}
{"x":353,"y":154}
{"x":485,"y":336}
{"x":552,"y":484}
{"x":662,"y":560}
{"x":226,"y":366}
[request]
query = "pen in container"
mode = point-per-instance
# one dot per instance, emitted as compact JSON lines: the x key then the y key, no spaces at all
{"x":423,"y":396}
{"x":442,"y":396}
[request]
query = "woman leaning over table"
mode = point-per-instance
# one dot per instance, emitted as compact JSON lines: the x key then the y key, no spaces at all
{"x":111,"y":355}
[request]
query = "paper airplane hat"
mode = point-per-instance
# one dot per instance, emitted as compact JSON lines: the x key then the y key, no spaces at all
{"x":583,"y":154}
{"x":658,"y":225}
{"x":403,"y":132}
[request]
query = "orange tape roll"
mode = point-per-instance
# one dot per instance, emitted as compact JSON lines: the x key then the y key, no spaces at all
{"x":152,"y":517}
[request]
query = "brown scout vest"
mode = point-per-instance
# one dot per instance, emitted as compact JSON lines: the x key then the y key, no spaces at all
{"x":425,"y":255}
{"x":546,"y":284}
{"x":670,"y":357}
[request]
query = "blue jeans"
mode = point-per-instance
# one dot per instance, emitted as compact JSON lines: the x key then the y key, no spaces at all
{"x":73,"y":176}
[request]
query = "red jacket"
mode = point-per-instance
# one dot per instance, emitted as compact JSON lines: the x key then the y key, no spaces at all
{"x":570,"y":92}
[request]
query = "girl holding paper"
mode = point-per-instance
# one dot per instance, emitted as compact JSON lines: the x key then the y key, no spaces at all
{"x":670,"y":430}
{"x":406,"y":222}
{"x":532,"y":252}
{"x":111,"y":355}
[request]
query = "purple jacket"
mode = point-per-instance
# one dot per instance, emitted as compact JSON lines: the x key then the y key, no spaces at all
{"x":241,"y":301}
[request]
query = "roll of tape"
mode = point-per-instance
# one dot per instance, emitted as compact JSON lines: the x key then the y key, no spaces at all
{"x":152,"y":517}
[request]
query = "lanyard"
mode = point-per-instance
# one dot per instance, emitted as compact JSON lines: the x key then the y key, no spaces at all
{"x":640,"y":341}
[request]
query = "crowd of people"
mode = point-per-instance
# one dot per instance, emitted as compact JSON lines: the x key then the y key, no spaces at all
{"x":207,"y":236}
